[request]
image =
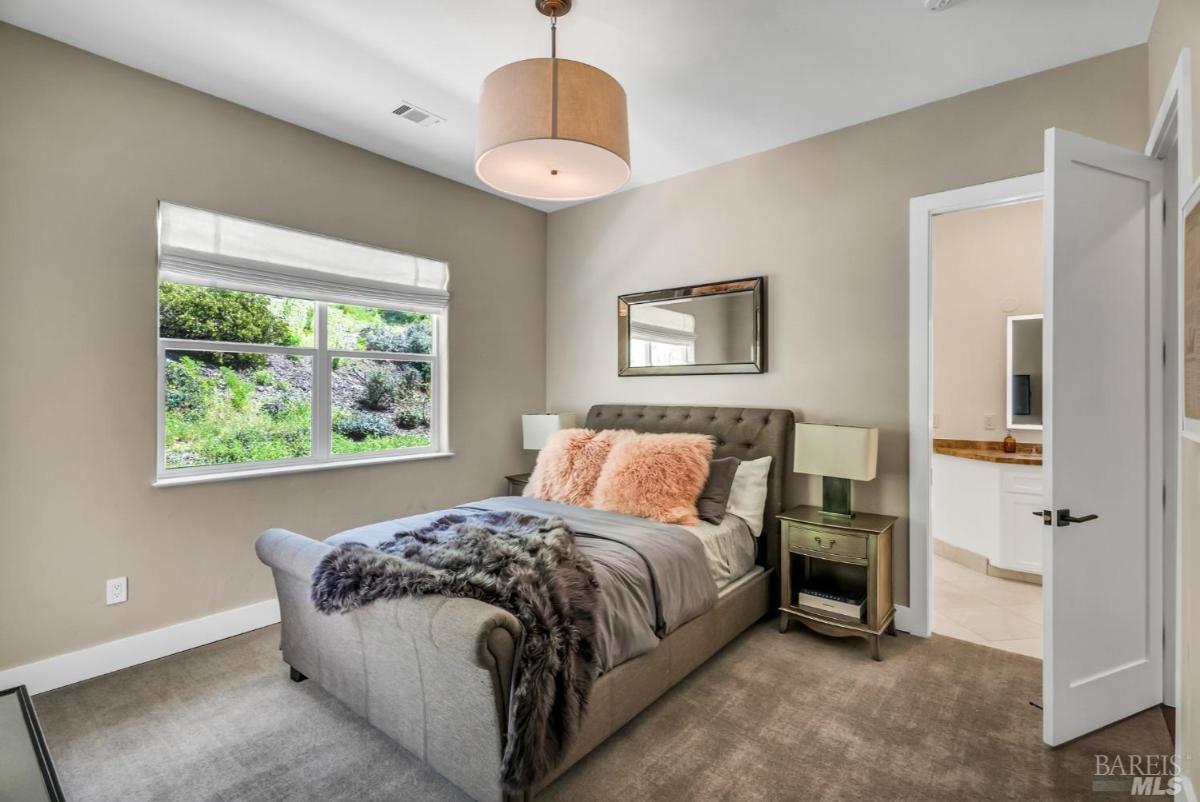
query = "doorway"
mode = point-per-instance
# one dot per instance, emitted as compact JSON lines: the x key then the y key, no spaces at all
{"x":917,"y":618}
{"x":986,"y":377}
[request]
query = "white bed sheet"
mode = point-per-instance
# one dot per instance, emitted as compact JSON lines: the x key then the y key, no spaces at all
{"x":729,"y":547}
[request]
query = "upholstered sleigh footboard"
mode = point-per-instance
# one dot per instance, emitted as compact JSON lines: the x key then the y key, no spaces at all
{"x":434,"y":673}
{"x":431,"y":672}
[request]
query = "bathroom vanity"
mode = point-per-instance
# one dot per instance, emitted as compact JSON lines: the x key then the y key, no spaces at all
{"x":984,"y":502}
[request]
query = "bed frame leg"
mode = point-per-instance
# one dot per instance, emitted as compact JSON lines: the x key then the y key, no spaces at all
{"x":296,"y":675}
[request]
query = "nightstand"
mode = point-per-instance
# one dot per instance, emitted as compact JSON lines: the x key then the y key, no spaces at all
{"x":516,"y":483}
{"x":836,"y":574}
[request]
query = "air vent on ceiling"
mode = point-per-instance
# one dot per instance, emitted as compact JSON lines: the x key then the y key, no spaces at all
{"x":939,"y":5}
{"x":418,"y":115}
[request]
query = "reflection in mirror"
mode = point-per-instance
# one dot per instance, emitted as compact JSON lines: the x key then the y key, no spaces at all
{"x":706,"y":328}
{"x":1025,"y":372}
{"x":711,"y":330}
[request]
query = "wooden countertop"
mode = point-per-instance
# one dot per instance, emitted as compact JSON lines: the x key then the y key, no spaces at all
{"x":989,"y":451}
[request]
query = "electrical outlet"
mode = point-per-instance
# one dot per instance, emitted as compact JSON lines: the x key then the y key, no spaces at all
{"x":989,"y":421}
{"x":116,"y":590}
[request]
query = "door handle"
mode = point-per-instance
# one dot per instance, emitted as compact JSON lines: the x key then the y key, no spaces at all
{"x":1066,"y":519}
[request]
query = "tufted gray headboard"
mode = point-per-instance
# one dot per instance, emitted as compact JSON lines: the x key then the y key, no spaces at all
{"x":739,"y":432}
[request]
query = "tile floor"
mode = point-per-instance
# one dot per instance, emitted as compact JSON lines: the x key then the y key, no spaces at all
{"x":982,"y":609}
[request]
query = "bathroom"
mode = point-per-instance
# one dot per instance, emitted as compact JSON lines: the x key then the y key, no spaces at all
{"x":987,"y":426}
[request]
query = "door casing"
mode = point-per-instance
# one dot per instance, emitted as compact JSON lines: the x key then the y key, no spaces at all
{"x":917,"y":617}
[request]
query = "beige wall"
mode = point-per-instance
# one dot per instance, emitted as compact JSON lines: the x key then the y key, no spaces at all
{"x":1188,"y":703}
{"x":87,"y":147}
{"x":1176,"y":26}
{"x":984,"y":261}
{"x":826,"y":219}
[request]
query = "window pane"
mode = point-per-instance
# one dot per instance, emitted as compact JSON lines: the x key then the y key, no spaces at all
{"x":223,"y":408}
{"x":360,"y":328}
{"x":651,"y":353}
{"x":379,"y":404}
{"x":189,"y":312}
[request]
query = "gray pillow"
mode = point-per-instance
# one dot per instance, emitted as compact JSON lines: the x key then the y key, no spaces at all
{"x":710,"y":506}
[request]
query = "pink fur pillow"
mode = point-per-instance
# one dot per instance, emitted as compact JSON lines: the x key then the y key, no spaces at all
{"x":568,"y":467}
{"x":656,"y":476}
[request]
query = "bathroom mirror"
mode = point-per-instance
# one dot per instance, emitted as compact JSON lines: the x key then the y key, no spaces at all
{"x":704,"y":328}
{"x":1025,"y":372}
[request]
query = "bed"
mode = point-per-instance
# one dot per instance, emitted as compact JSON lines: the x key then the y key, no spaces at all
{"x":434,"y":673}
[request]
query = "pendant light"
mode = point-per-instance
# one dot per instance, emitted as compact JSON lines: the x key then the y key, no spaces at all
{"x":552,"y":129}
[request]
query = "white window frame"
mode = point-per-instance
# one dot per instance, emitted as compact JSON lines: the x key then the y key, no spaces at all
{"x":646,"y":346}
{"x":321,"y":426}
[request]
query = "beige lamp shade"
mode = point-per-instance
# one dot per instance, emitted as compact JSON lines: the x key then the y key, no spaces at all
{"x":535,"y":429}
{"x":552,"y":129}
{"x":847,"y":452}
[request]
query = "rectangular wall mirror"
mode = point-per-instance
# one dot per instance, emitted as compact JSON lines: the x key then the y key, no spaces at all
{"x":705,"y":328}
{"x":1025,"y":372}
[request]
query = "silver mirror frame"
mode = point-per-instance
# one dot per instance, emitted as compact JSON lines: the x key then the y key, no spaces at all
{"x":758,"y":364}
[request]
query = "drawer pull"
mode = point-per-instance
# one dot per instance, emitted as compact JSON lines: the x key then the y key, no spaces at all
{"x":821,"y":543}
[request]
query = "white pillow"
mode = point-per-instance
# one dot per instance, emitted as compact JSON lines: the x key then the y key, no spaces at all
{"x":748,"y":495}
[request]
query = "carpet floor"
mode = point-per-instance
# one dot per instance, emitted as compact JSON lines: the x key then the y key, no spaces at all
{"x":772,"y":717}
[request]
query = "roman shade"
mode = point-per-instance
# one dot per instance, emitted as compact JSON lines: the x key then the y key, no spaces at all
{"x":216,"y":250}
{"x":659,"y":325}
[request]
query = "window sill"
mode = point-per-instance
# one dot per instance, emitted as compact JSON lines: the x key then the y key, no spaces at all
{"x":204,"y":478}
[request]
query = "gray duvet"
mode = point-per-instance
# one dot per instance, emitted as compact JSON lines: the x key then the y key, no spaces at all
{"x":653,"y":577}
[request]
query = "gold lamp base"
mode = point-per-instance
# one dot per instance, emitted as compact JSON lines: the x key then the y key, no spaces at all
{"x":835,"y":497}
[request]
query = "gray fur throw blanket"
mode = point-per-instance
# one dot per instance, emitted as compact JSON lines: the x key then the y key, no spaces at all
{"x":521,"y":563}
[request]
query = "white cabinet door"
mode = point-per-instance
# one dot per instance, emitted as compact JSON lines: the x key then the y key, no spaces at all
{"x":1021,"y":533}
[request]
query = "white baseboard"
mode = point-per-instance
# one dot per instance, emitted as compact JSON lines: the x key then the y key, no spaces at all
{"x":65,"y":669}
{"x":906,"y":621}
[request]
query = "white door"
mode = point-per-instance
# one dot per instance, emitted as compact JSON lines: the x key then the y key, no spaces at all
{"x":1103,"y":355}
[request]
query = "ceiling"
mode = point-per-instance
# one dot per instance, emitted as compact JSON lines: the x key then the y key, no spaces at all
{"x":707,"y":80}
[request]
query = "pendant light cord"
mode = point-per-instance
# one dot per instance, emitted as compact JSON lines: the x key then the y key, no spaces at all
{"x":554,"y":79}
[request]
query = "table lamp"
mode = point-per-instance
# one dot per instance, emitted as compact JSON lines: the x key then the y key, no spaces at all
{"x":840,"y":455}
{"x":535,"y":429}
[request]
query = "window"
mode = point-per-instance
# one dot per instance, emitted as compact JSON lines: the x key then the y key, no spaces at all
{"x":660,"y":336}
{"x":643,"y":352}
{"x":279,"y":348}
